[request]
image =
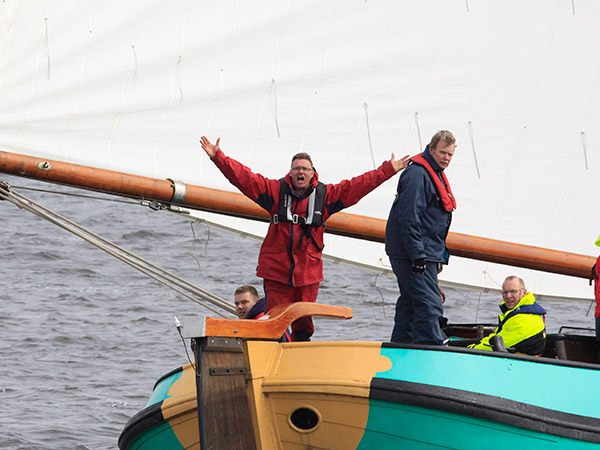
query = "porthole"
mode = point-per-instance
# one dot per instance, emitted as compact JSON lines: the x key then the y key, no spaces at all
{"x":305,"y":419}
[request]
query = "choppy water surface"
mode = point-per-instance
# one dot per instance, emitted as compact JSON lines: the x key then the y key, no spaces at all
{"x":83,"y":337}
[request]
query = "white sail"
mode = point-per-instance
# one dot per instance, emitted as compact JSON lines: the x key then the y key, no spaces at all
{"x":131,"y":86}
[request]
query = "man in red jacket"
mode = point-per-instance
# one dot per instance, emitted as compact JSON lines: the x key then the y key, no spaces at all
{"x":290,"y":257}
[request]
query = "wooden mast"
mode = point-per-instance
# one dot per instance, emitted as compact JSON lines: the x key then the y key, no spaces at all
{"x":234,"y":204}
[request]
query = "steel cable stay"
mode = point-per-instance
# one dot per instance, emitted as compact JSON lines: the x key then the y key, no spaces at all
{"x":159,"y":274}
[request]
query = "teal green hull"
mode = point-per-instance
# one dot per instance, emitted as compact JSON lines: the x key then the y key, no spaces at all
{"x":394,"y":426}
{"x":149,"y":429}
{"x":467,"y":400}
{"x":527,"y":380}
{"x":160,"y":437}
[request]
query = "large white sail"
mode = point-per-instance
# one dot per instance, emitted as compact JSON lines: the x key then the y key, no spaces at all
{"x":131,"y":86}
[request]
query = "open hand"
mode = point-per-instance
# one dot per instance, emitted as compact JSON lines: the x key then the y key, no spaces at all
{"x":401,"y":163}
{"x":210,"y":148}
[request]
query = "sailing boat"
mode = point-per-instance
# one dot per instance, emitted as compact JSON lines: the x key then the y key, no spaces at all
{"x":129,"y":88}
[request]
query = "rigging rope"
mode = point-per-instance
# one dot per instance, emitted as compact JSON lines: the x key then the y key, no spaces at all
{"x":473,"y":147}
{"x":369,"y":136}
{"x":47,"y":48}
{"x":192,"y":247}
{"x":275,"y":108}
{"x":380,"y":293}
{"x":418,"y":130}
{"x":163,"y":276}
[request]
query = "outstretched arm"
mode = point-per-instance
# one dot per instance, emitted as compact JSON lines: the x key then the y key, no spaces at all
{"x":398,"y":164}
{"x":257,"y":188}
{"x":348,"y":192}
{"x":210,"y":148}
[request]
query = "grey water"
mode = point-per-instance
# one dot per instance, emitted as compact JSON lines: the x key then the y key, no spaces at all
{"x":83,"y":337}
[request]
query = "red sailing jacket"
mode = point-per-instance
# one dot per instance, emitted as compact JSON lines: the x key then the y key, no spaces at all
{"x":287,"y":255}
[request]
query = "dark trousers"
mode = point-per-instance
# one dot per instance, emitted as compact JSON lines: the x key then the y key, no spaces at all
{"x":419,"y":306}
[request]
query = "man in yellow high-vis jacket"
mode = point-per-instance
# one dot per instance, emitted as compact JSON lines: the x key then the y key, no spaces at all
{"x":521,"y":323}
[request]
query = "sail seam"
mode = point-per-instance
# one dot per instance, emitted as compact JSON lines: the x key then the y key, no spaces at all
{"x":374,"y":72}
{"x":224,"y":59}
{"x":428,"y":71}
{"x":575,"y":153}
{"x":522,"y":136}
{"x":77,"y":92}
{"x":507,"y":185}
{"x":130,"y":74}
{"x":8,"y":12}
{"x":32,"y":82}
{"x":482,"y":79}
{"x":321,"y":75}
{"x":271,"y":88}
{"x":175,"y":86}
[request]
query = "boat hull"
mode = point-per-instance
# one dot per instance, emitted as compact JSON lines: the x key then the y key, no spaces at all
{"x":361,"y":395}
{"x":170,"y":419}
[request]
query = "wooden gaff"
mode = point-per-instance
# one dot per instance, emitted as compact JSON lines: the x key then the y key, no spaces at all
{"x":234,"y":204}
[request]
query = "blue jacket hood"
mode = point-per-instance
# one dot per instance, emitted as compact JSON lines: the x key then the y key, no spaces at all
{"x":258,"y":308}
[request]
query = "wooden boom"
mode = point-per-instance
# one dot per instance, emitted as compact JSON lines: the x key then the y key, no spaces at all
{"x":233,"y":204}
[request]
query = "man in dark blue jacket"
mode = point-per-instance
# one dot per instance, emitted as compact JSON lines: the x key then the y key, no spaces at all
{"x":249,"y":306}
{"x":415,"y":241}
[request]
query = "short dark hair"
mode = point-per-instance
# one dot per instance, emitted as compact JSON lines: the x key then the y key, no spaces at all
{"x":247,"y":288}
{"x":443,"y":135}
{"x":303,"y":155}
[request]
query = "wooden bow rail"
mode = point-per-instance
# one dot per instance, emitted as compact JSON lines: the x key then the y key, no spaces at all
{"x":272,"y":327}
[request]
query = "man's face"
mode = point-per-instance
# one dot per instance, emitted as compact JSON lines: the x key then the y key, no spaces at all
{"x":442,"y":153}
{"x":512,"y":292}
{"x":243,"y":304}
{"x":301,"y":174}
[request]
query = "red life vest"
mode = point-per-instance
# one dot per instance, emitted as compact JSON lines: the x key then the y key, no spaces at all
{"x":443,"y":189}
